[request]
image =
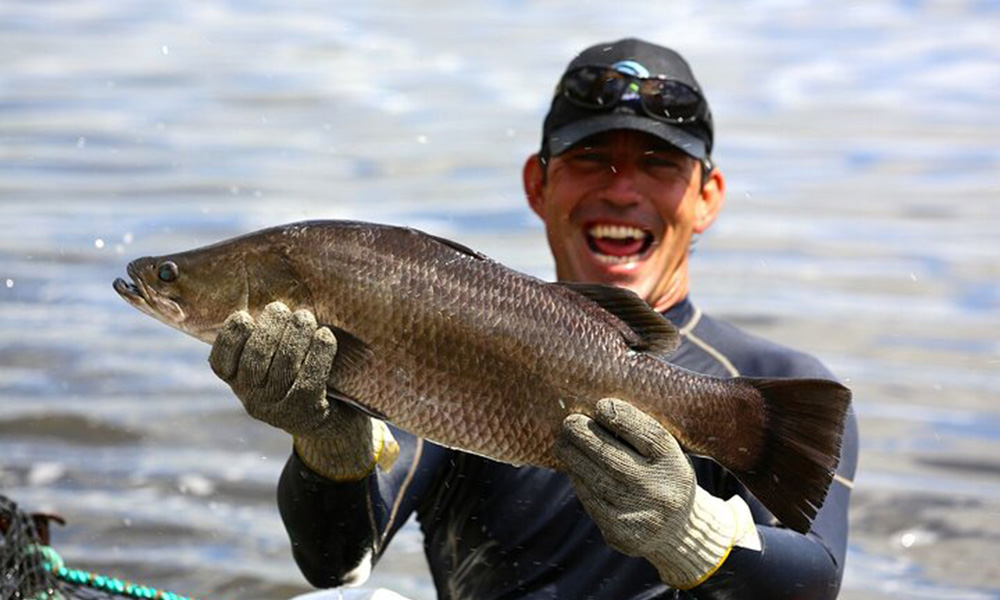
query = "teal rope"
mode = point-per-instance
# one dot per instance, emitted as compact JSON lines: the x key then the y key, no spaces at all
{"x":54,"y":564}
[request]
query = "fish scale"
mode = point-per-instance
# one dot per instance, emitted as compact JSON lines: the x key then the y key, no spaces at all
{"x":454,"y":347}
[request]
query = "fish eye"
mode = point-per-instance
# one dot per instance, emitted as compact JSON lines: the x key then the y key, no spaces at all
{"x":168,"y":272}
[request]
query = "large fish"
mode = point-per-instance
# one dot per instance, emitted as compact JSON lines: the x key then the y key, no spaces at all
{"x":452,"y":346}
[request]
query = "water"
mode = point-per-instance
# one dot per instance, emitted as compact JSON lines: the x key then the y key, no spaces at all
{"x":861,"y":148}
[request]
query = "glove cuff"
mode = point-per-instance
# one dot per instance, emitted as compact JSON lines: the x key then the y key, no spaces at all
{"x":349,"y":457}
{"x":693,"y":553}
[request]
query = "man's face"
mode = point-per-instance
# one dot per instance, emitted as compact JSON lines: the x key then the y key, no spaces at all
{"x":620,"y":208}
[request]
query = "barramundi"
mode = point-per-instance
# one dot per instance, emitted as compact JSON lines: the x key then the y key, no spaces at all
{"x":454,"y":347}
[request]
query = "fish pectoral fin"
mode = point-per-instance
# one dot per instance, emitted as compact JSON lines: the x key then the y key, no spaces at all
{"x":647,"y":330}
{"x":352,"y":352}
{"x":353,"y":355}
{"x":339,"y":396}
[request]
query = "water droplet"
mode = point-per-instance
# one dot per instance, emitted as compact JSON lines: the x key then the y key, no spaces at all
{"x":422,"y":139}
{"x":913,"y":276}
{"x":128,"y":237}
{"x":165,"y":50}
{"x":10,"y":283}
{"x":81,"y":142}
{"x":98,"y":243}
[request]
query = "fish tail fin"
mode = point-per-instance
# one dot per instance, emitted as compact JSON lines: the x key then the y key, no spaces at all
{"x":802,"y":433}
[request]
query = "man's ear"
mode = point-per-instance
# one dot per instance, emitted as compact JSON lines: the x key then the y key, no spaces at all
{"x":710,"y":201}
{"x":533,"y":176}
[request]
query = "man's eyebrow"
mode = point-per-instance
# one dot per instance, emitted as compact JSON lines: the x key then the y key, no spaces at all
{"x":661,"y":146}
{"x":585,"y":148}
{"x":665,"y":149}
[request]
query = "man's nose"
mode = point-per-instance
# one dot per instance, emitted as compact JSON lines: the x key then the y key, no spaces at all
{"x":622,"y":186}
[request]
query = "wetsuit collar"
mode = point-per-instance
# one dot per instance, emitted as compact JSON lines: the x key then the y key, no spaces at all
{"x":680,"y":314}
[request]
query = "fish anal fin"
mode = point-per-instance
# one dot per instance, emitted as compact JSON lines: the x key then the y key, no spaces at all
{"x":653,"y":333}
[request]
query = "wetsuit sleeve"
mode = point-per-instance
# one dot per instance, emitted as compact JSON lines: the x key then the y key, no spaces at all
{"x":790,"y":564}
{"x":339,"y":530}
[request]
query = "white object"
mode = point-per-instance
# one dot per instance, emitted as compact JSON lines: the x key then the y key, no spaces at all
{"x":351,"y":594}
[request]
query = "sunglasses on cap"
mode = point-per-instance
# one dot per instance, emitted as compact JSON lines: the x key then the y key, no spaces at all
{"x":602,"y":88}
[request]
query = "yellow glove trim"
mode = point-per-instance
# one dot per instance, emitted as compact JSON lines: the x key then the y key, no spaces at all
{"x":386,"y":451}
{"x":705,"y":542}
{"x":725,"y":555}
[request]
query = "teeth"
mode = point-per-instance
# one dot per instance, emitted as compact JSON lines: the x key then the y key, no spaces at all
{"x":615,"y":260}
{"x":618,"y":232}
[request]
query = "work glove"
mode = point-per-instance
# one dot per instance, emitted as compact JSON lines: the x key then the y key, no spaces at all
{"x":278,"y":367}
{"x":640,"y":489}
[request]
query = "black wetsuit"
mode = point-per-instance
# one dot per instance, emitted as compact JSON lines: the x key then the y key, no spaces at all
{"x":496,"y":531}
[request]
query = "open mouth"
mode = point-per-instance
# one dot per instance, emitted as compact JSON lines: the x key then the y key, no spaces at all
{"x":618,"y":244}
{"x":148,"y":299}
{"x":131,"y":292}
{"x":127,"y":290}
{"x":135,"y":292}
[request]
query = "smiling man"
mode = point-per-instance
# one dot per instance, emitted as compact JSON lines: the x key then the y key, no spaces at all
{"x":621,"y":208}
{"x":623,"y":182}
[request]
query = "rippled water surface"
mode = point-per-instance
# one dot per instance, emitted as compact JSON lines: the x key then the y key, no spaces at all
{"x":861,"y":143}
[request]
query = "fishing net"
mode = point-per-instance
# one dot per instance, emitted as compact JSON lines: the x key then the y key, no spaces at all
{"x":31,"y":570}
{"x":22,"y":571}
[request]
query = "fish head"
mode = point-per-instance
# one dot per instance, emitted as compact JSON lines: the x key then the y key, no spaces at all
{"x":196,"y":291}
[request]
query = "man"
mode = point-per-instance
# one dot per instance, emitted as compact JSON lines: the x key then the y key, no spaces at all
{"x":623,"y":182}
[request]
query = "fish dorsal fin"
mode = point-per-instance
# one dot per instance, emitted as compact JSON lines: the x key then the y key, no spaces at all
{"x":454,"y":245}
{"x":648,"y":330}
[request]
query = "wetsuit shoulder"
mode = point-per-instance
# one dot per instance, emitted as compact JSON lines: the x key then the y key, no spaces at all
{"x":714,"y":345}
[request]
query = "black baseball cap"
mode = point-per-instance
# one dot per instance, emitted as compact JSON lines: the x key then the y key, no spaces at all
{"x":567,"y":123}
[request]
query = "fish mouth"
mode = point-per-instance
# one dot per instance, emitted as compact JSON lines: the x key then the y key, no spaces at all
{"x":130,"y":292}
{"x":147,"y":300}
{"x":134,"y":292}
{"x":614,"y":243}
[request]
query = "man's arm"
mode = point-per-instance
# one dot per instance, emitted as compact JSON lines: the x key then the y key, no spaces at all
{"x":338,"y":530}
{"x":790,"y":564}
{"x":337,"y":496}
{"x":645,"y":500}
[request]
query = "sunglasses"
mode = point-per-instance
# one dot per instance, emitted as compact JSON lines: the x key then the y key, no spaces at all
{"x":602,"y":88}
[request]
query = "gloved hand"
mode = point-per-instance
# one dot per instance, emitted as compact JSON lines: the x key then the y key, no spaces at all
{"x":278,"y":366}
{"x":641,"y":491}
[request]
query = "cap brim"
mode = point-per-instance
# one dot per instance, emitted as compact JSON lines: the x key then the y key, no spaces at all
{"x":564,"y":138}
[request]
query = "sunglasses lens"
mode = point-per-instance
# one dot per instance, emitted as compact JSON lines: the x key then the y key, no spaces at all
{"x":594,"y":87}
{"x":670,"y":100}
